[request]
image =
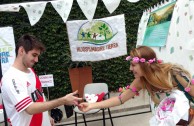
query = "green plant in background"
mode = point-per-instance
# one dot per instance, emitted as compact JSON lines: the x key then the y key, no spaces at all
{"x":75,"y":64}
{"x":53,"y":33}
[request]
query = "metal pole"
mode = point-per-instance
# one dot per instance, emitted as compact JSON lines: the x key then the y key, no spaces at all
{"x":47,"y":89}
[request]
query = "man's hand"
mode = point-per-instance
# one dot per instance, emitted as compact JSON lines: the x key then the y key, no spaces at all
{"x":71,"y":99}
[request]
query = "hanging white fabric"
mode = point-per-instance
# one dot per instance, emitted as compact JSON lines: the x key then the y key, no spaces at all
{"x":88,"y":7}
{"x":34,"y":10}
{"x":111,"y":5}
{"x":100,"y":39}
{"x":10,"y":8}
{"x":63,"y":7}
{"x":7,"y":47}
{"x":133,"y":1}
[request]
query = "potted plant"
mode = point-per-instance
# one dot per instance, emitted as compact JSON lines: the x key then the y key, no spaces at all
{"x":80,"y":74}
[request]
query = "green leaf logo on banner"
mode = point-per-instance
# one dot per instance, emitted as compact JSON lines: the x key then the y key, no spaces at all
{"x":97,"y":33}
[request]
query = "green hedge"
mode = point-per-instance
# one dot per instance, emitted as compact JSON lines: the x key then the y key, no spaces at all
{"x":53,"y":33}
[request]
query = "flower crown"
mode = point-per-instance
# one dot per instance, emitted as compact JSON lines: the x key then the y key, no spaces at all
{"x":142,"y":60}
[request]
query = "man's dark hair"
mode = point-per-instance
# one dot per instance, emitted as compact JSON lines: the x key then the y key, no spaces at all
{"x":29,"y":42}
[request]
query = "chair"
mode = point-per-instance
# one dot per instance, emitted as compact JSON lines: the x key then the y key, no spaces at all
{"x":94,"y":88}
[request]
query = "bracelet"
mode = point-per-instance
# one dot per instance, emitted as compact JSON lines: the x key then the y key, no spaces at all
{"x":120,"y":99}
{"x":134,"y":90}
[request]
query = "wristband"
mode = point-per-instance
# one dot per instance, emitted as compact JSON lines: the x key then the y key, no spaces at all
{"x":119,"y":97}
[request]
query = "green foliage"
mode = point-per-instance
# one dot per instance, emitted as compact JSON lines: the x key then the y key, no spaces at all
{"x":53,"y":33}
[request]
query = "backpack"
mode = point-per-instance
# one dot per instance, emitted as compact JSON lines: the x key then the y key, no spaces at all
{"x":56,"y":114}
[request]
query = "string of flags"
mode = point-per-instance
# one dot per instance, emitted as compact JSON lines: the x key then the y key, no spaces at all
{"x":35,"y":10}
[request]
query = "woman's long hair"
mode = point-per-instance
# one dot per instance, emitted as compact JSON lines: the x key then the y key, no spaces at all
{"x":156,"y":76}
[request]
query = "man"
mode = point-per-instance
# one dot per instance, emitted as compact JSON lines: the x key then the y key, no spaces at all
{"x":21,"y":88}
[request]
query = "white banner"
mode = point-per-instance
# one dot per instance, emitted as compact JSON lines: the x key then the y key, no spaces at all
{"x":100,"y":39}
{"x":7,"y":48}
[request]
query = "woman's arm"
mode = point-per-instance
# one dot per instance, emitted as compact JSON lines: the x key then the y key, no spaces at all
{"x":114,"y":101}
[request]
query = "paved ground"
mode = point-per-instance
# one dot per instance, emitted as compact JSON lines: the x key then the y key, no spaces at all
{"x":123,"y":115}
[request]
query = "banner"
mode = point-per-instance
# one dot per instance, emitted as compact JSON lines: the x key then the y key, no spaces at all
{"x":7,"y":48}
{"x":158,"y":26}
{"x":180,"y":42}
{"x":98,"y":40}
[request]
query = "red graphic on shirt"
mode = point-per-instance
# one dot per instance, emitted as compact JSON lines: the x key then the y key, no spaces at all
{"x":37,"y":118}
{"x":28,"y":84}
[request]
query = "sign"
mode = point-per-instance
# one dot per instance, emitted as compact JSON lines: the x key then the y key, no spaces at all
{"x":7,"y":48}
{"x":100,"y":39}
{"x":46,"y":80}
{"x":158,"y":26}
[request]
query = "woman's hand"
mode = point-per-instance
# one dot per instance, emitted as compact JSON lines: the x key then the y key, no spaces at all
{"x":84,"y":107}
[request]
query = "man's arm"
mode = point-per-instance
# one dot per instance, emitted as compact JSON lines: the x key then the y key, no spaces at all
{"x":38,"y":107}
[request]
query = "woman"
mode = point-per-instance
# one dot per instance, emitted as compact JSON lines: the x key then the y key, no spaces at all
{"x":158,"y":79}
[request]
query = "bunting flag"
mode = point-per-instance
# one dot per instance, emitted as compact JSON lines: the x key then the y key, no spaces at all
{"x":98,"y":40}
{"x":7,"y":48}
{"x":34,"y":10}
{"x":133,"y":1}
{"x":63,"y":7}
{"x":88,"y":7}
{"x":111,"y":5}
{"x":10,"y":7}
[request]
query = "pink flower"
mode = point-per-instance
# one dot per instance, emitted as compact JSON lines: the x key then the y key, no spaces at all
{"x":187,"y":89}
{"x":134,"y":89}
{"x":159,"y":61}
{"x":136,"y":59}
{"x":128,"y":58}
{"x":150,"y":61}
{"x":192,"y":81}
{"x":120,"y":89}
{"x":127,"y":87}
{"x":163,"y":108}
{"x":142,"y":60}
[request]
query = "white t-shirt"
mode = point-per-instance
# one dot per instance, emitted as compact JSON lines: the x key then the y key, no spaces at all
{"x":18,"y":92}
